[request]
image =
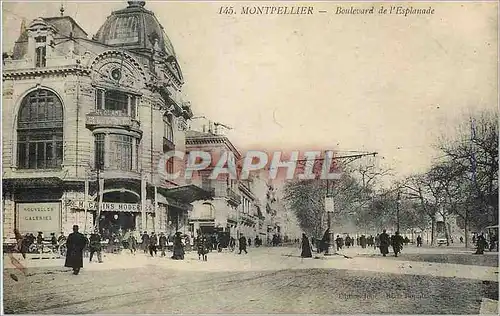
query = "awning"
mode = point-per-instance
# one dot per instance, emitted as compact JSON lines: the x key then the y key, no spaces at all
{"x":186,"y":193}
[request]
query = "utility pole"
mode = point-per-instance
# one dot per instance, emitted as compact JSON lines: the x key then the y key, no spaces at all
{"x":329,"y":201}
{"x":474,"y":177}
{"x":329,"y":208}
{"x":398,"y":201}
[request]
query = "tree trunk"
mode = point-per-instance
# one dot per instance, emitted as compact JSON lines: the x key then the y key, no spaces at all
{"x":446,"y":233}
{"x":433,"y":230}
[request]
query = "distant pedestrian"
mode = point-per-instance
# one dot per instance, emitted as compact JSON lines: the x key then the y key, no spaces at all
{"x":376,"y":244}
{"x":249,"y":241}
{"x":132,"y":243}
{"x":362,"y":241}
{"x":384,"y":243}
{"x":348,"y":241}
{"x":162,"y":242}
{"x":481,"y":244}
{"x":325,"y":241}
{"x":461,"y":239}
{"x":178,"y":248}
{"x":95,"y":246}
{"x":419,"y":241}
{"x":202,"y":247}
{"x":397,"y":243}
{"x":232,"y":243}
{"x":145,"y":242}
{"x":340,"y":242}
{"x":306,"y":247}
{"x":75,"y":244}
{"x":243,"y":244}
{"x":153,"y":242}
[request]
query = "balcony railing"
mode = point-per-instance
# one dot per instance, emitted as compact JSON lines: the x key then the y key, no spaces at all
{"x":111,"y":118}
{"x":233,"y":197}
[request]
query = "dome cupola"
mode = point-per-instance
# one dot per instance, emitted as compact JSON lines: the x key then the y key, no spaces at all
{"x":135,"y":28}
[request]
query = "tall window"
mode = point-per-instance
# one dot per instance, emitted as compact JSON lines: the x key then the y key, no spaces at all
{"x":120,"y":152}
{"x":116,"y":102}
{"x":117,"y":149}
{"x":99,"y":151}
{"x":40,"y":51}
{"x":40,"y":131}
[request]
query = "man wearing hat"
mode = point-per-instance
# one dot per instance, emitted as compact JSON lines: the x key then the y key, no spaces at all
{"x":75,"y":244}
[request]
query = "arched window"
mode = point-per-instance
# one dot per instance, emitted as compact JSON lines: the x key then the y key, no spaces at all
{"x":40,"y":131}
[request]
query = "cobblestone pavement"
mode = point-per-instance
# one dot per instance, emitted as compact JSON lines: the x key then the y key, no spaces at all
{"x":267,"y":280}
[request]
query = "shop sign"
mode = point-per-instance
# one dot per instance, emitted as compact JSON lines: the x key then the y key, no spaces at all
{"x":39,"y":217}
{"x":108,"y":206}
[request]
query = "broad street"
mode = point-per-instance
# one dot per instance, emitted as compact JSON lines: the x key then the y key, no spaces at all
{"x":267,"y":280}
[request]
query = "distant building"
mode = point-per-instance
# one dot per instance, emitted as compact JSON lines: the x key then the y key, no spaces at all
{"x":237,"y":206}
{"x":219,"y":214}
{"x":103,"y":109}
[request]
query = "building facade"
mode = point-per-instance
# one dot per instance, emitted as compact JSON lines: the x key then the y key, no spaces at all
{"x":81,"y":122}
{"x":239,"y":207}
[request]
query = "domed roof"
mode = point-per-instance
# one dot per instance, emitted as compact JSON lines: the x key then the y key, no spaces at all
{"x":134,"y":28}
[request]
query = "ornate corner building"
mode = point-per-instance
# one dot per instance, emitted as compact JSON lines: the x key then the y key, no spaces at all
{"x":86,"y":122}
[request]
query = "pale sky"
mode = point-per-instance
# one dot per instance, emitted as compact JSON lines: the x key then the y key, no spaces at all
{"x":389,"y":84}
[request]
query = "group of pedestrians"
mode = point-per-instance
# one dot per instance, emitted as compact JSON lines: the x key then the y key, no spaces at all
{"x":383,"y":241}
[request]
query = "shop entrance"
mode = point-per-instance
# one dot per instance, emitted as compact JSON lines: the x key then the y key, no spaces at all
{"x":116,"y":223}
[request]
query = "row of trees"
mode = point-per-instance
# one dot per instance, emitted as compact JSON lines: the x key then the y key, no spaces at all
{"x":462,"y":183}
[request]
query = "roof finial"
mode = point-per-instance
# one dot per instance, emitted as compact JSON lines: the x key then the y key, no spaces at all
{"x":62,"y":9}
{"x":136,"y":3}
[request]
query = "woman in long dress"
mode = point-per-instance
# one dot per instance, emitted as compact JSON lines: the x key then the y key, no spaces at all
{"x":178,"y":247}
{"x":306,"y":247}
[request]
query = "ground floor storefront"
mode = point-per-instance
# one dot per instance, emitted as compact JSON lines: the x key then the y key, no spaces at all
{"x":52,"y":207}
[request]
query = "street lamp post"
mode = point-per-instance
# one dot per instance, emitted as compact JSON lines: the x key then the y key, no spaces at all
{"x":398,"y":202}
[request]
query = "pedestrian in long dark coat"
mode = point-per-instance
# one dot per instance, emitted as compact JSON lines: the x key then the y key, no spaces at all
{"x":243,"y":244}
{"x":145,"y":242}
{"x":481,"y":245}
{"x":153,"y":242}
{"x":178,"y":248}
{"x":75,"y":244}
{"x":362,"y":241}
{"x":385,"y":241}
{"x":340,"y":242}
{"x":306,"y":247}
{"x":397,"y":243}
{"x":95,"y":246}
{"x":325,"y":241}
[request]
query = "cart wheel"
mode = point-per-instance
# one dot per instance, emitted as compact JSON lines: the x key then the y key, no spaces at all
{"x":32,"y":248}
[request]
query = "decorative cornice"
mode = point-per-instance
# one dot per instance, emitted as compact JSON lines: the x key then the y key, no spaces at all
{"x":37,"y":72}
